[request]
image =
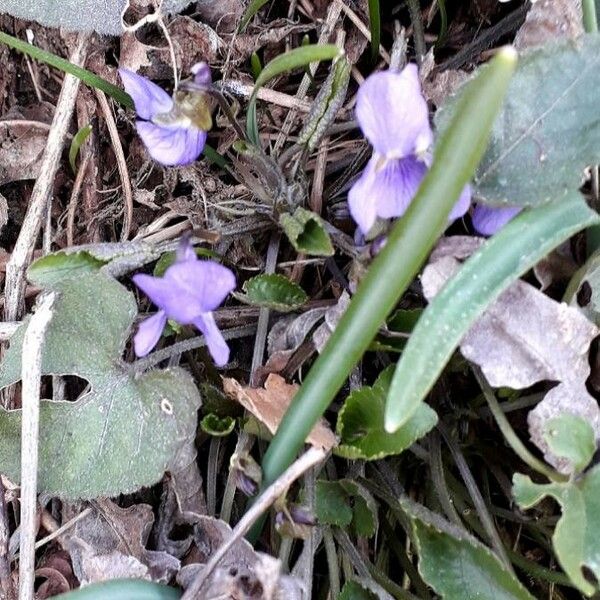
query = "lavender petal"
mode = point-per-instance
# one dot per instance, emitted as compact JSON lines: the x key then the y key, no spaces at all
{"x":201,"y":73}
{"x":393,"y":114}
{"x":487,"y":220}
{"x":156,"y":288}
{"x":205,"y":282}
{"x":217,"y":346}
{"x":148,"y":333}
{"x":362,"y":204}
{"x":174,"y":145}
{"x":185,"y":251}
{"x":149,"y":99}
{"x":462,"y":205}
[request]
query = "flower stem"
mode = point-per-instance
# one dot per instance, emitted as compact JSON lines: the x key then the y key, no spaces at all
{"x":509,"y":433}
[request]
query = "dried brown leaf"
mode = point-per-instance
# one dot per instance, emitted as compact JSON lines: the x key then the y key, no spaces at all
{"x":549,"y":20}
{"x":269,"y":404}
{"x":110,"y":542}
{"x":21,"y":149}
{"x":525,"y":337}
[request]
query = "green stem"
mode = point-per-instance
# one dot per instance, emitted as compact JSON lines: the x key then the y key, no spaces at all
{"x":590,"y":17}
{"x":410,"y":241}
{"x":509,"y":433}
{"x":123,"y":589}
{"x":375,"y":26}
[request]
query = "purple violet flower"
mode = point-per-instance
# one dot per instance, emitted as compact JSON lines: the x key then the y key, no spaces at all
{"x":487,"y":220}
{"x":393,"y":116}
{"x":187,"y":293}
{"x":171,"y":136}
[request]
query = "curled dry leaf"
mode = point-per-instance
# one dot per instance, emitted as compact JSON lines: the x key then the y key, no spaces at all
{"x":525,"y":337}
{"x":110,"y":542}
{"x":549,"y":20}
{"x":332,"y":317}
{"x":269,"y":404}
{"x":21,"y":149}
{"x":242,"y":573}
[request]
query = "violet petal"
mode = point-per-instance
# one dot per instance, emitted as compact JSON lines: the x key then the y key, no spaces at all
{"x":201,"y":73}
{"x":149,"y":99}
{"x":462,"y":205}
{"x":362,"y":204}
{"x":487,"y":220}
{"x":393,"y":114}
{"x":173,"y":145}
{"x":206,"y":281}
{"x":156,"y":288}
{"x":148,"y":333}
{"x":185,"y":251}
{"x":217,"y":346}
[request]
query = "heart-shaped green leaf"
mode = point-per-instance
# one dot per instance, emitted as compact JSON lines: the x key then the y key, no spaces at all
{"x":273,"y":291}
{"x":548,"y":129}
{"x":306,"y":232}
{"x":360,"y":423}
{"x":571,"y":437}
{"x":126,"y":430}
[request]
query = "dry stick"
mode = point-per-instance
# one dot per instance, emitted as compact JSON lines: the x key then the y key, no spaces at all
{"x":309,"y":459}
{"x":31,"y":371}
{"x":74,"y":197}
{"x":121,"y":163}
{"x":263,"y":315}
{"x":333,"y":15}
{"x":40,"y":196}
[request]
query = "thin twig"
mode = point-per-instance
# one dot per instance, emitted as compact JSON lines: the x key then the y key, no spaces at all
{"x":121,"y":163}
{"x":185,"y":345}
{"x":263,"y":316}
{"x":310,"y":458}
{"x":333,"y":15}
{"x":31,"y":371}
{"x":40,"y":196}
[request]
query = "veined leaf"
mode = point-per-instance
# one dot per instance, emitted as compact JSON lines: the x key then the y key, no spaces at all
{"x":273,"y":291}
{"x":306,"y":232}
{"x":548,"y":130}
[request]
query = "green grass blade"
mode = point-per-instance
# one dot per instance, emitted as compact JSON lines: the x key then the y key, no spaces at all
{"x":78,"y":140}
{"x":375,"y":26}
{"x":252,"y":9}
{"x":504,"y":258}
{"x":298,"y":57}
{"x":64,"y":65}
{"x":412,"y":237}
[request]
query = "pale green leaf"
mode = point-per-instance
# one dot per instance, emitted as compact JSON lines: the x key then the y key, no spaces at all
{"x":571,"y":437}
{"x":548,"y":130}
{"x":575,"y":539}
{"x":126,"y":430}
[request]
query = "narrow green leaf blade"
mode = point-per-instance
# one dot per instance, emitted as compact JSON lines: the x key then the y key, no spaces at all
{"x":78,"y":140}
{"x":375,"y":27}
{"x":252,"y":9}
{"x":503,"y":258}
{"x":412,"y":237}
{"x":298,"y":57}
{"x":64,"y":65}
